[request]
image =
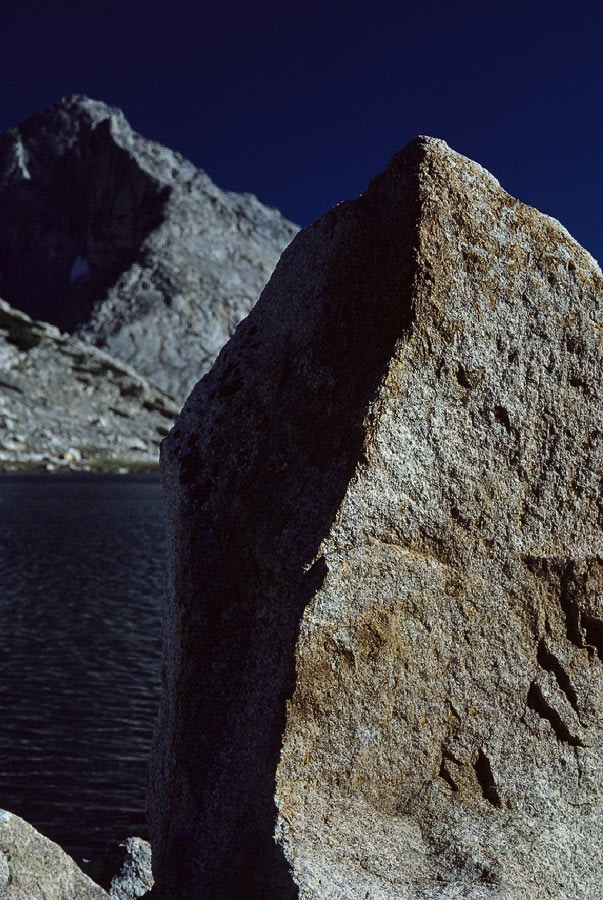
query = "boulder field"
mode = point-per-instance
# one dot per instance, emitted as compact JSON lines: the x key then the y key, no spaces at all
{"x":65,"y":404}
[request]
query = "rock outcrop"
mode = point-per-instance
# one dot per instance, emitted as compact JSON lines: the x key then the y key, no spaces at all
{"x":64,"y":403}
{"x":385,"y":628}
{"x":126,"y":244}
{"x":34,"y":868}
{"x":126,"y":872}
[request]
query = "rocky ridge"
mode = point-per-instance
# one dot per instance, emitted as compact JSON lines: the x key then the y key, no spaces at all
{"x":127,"y":245}
{"x":65,"y":404}
{"x":384,"y":635}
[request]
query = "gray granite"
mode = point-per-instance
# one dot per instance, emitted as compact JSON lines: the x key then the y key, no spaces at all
{"x":34,"y":868}
{"x":127,"y":873}
{"x":65,"y":404}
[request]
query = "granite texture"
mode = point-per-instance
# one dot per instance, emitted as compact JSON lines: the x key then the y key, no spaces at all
{"x":34,"y":868}
{"x":127,"y":873}
{"x":384,"y":638}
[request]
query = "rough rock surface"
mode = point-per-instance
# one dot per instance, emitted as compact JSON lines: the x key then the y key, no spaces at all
{"x":125,"y":243}
{"x":34,"y":868}
{"x":385,"y":633}
{"x":126,"y":872}
{"x":65,"y":403}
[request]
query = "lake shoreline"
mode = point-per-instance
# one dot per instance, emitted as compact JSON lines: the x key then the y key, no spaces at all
{"x":101,"y":468}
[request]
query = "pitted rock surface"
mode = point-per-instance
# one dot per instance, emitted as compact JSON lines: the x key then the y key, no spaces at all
{"x":385,"y":627}
{"x":125,"y":243}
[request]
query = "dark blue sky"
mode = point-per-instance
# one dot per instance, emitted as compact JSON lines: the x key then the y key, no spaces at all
{"x":302,"y":105}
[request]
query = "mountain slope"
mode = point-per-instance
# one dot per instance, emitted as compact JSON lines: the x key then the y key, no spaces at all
{"x":124,"y":243}
{"x":63,"y":402}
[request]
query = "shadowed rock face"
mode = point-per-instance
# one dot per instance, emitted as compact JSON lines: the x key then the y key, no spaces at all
{"x":75,"y":208}
{"x":386,"y":590}
{"x":125,"y":243}
{"x":272,"y":435}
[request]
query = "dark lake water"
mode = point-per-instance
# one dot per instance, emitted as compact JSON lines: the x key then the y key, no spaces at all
{"x":81,"y":593}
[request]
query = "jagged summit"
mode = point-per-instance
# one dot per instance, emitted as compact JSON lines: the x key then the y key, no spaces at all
{"x":69,"y":119}
{"x":75,"y":206}
{"x":75,"y":109}
{"x":125,"y":243}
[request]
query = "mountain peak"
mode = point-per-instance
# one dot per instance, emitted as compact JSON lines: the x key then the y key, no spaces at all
{"x":125,"y":242}
{"x":74,"y":103}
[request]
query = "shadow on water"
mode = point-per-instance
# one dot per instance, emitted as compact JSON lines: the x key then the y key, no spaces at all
{"x":259,"y":463}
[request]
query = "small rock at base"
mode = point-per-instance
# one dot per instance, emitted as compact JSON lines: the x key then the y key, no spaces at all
{"x":126,"y":870}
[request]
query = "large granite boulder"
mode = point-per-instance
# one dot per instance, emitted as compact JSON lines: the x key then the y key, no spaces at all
{"x":34,"y":868}
{"x":385,"y":628}
{"x":126,"y":244}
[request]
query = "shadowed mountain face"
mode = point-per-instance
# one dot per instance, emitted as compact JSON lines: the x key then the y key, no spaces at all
{"x":125,"y":243}
{"x":75,"y":208}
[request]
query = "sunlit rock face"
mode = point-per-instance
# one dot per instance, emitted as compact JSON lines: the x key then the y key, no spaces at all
{"x":125,"y":243}
{"x":385,"y":623}
{"x":34,"y":868}
{"x":126,"y":872}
